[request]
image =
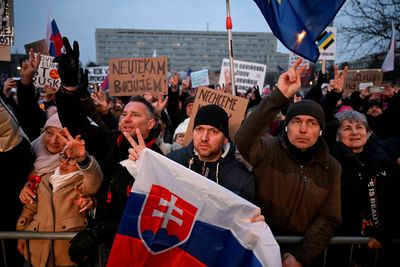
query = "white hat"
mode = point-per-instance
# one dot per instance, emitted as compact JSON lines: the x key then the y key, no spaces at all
{"x":53,"y":121}
{"x":181,"y":128}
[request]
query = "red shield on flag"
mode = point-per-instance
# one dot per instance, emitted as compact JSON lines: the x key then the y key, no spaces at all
{"x":166,"y":220}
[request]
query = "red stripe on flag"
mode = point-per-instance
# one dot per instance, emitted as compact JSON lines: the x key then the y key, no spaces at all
{"x":128,"y":251}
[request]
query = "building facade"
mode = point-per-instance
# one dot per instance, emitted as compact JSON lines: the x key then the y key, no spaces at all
{"x":189,"y":49}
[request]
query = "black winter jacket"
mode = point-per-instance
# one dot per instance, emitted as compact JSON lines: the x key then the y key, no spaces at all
{"x":227,"y":171}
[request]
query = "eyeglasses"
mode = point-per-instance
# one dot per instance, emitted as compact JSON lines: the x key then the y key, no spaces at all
{"x":62,"y":157}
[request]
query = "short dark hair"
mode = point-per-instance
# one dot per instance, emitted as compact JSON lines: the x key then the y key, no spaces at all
{"x":150,"y":109}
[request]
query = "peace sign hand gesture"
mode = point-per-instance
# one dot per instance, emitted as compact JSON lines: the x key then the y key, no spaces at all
{"x":136,"y":148}
{"x":289,"y":82}
{"x":75,"y":148}
{"x":337,"y":84}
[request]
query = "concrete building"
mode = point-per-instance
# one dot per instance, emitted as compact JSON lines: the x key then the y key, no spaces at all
{"x":189,"y":49}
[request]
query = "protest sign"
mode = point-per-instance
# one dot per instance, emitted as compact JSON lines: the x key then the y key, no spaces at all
{"x":355,"y":77}
{"x":47,"y":73}
{"x":199,"y":78}
{"x":293,"y":58}
{"x":38,"y":46}
{"x":247,"y":74}
{"x":97,"y":74}
{"x":135,"y":76}
{"x":327,"y":44}
{"x":234,"y":106}
{"x":6,"y":35}
{"x":5,"y":53}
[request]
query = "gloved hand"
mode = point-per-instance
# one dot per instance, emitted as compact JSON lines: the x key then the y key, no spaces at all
{"x":82,"y":244}
{"x":68,"y":64}
{"x":83,"y":83}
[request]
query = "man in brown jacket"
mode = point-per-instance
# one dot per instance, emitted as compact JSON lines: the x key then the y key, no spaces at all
{"x":297,"y":181}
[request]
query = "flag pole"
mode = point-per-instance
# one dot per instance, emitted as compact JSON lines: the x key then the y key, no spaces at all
{"x":230,"y":45}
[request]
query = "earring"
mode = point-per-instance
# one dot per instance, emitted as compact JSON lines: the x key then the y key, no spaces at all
{"x":320,"y":133}
{"x":285,"y":128}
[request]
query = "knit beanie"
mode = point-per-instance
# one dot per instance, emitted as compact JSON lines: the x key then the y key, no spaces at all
{"x":306,"y":107}
{"x":213,"y":115}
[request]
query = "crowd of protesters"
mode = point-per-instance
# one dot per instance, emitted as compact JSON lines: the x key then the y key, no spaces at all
{"x":318,"y":162}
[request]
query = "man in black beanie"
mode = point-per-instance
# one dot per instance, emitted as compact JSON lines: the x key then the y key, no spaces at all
{"x":212,"y":153}
{"x":297,"y":181}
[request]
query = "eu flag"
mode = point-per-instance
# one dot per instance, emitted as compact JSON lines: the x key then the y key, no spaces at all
{"x":299,"y":23}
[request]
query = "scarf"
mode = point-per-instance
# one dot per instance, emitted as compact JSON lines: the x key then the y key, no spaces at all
{"x":58,"y":180}
{"x":45,"y":161}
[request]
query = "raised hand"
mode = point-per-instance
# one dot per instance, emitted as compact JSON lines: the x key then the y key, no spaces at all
{"x":29,"y":67}
{"x":136,"y":148}
{"x":9,"y":84}
{"x":83,"y":83}
{"x":160,"y":105}
{"x":100,"y":100}
{"x":289,"y":82}
{"x":68,"y":64}
{"x":74,"y":148}
{"x":337,"y":84}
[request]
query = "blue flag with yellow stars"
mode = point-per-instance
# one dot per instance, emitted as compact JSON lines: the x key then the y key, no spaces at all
{"x":299,"y":23}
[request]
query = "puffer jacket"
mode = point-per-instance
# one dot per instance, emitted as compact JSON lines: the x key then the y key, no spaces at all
{"x":227,"y":171}
{"x":56,"y":212}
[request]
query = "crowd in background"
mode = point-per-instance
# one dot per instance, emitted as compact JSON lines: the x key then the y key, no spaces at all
{"x":78,"y":141}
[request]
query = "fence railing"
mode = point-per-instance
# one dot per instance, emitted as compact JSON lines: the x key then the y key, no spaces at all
{"x":337,"y":240}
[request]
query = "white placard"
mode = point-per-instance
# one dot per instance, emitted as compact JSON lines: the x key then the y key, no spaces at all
{"x":293,"y":58}
{"x":327,"y":44}
{"x":97,"y":74}
{"x":47,"y":73}
{"x":199,"y":78}
{"x":247,"y":74}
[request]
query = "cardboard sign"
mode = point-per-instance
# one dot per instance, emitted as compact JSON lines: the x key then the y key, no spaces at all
{"x":234,"y":106}
{"x":97,"y":74}
{"x":355,"y":77}
{"x":5,"y":53}
{"x":134,"y":76}
{"x":47,"y":73}
{"x":199,"y":78}
{"x":247,"y":74}
{"x":38,"y":46}
{"x":6,"y":35}
{"x":327,"y":44}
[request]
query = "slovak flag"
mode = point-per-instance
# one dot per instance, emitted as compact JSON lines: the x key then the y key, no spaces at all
{"x":53,"y":38}
{"x":175,"y":217}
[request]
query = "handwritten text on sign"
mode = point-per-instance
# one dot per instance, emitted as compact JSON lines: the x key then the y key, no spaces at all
{"x":355,"y":77}
{"x":234,"y":106}
{"x":134,"y":76}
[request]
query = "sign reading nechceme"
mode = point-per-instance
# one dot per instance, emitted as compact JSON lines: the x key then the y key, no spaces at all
{"x":247,"y":74}
{"x":134,"y":76}
{"x":355,"y":77}
{"x":47,"y":73}
{"x":234,"y":106}
{"x":97,"y":74}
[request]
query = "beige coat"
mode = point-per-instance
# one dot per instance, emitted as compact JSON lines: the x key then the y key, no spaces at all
{"x":56,"y":212}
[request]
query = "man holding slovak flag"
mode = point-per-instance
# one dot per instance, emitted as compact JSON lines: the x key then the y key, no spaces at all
{"x":176,"y":217}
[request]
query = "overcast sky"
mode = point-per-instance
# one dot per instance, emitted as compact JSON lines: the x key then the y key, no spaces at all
{"x":78,"y":19}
